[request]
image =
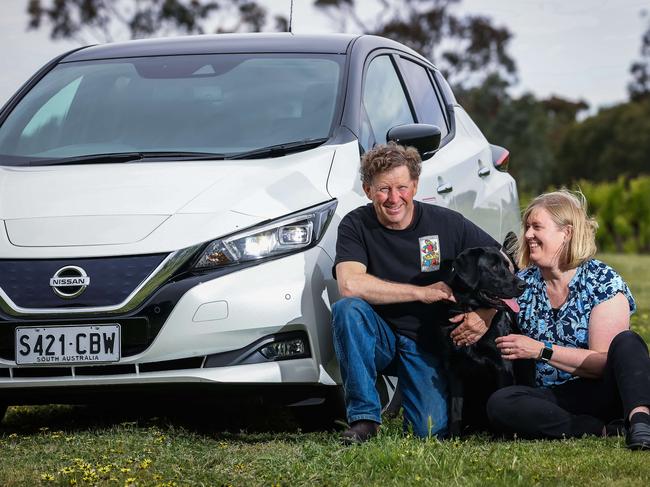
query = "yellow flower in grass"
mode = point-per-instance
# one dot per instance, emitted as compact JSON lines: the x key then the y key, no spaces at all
{"x":73,"y":482}
{"x":13,"y":435}
{"x":47,"y":477}
{"x":125,"y":470}
{"x":129,"y":481}
{"x":146,"y":463}
{"x":67,"y":470}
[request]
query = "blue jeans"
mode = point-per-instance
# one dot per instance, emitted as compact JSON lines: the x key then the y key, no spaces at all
{"x":366,"y":345}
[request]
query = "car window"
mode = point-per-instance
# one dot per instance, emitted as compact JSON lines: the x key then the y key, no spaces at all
{"x":225,"y":103}
{"x":48,"y":120}
{"x":426,"y":103}
{"x":384,"y":102}
{"x":447,"y":93}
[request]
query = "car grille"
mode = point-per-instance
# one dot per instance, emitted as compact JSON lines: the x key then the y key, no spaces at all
{"x":112,"y":280}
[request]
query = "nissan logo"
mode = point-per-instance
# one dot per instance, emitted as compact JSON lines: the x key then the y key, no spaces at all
{"x":69,"y":282}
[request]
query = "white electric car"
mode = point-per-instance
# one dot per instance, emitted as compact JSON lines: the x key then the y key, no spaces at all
{"x":169,"y":208}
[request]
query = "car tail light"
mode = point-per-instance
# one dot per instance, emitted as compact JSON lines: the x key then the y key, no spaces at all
{"x":500,"y":157}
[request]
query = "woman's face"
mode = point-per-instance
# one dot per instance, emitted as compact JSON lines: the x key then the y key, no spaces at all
{"x":544,"y":239}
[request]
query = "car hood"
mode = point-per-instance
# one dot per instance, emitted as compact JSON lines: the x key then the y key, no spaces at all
{"x":169,"y":205}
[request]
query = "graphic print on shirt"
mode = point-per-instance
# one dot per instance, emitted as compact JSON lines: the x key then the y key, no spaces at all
{"x":429,"y":253}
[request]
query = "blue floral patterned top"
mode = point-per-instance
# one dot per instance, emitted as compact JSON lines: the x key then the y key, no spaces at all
{"x":593,"y":283}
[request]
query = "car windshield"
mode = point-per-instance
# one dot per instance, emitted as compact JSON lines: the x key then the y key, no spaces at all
{"x":222,"y":104}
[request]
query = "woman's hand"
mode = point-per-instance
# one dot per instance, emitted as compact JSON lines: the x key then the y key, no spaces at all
{"x":513,"y":347}
{"x":473,"y":326}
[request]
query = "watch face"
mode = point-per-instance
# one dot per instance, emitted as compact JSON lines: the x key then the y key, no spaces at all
{"x":547,"y":353}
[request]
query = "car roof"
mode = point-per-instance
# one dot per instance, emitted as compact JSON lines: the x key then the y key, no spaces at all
{"x":218,"y":43}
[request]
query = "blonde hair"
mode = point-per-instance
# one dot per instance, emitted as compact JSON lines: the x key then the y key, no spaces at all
{"x":567,"y":209}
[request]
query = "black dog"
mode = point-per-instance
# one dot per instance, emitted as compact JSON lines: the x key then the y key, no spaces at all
{"x":482,"y":278}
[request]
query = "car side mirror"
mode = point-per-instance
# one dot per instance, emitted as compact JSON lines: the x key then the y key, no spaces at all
{"x":425,"y":138}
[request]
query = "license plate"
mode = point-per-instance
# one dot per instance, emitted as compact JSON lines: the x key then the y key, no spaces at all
{"x":68,"y":345}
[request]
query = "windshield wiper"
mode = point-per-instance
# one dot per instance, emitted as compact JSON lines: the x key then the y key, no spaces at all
{"x":279,"y":149}
{"x":182,"y":155}
{"x":118,"y":157}
{"x":88,"y":159}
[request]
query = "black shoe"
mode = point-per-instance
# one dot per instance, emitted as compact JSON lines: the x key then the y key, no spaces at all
{"x":359,"y":432}
{"x":638,"y":437}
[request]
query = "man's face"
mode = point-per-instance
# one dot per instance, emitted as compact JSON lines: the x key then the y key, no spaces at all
{"x":392,"y":193}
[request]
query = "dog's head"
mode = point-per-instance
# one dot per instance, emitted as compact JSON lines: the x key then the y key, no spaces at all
{"x":482,"y":278}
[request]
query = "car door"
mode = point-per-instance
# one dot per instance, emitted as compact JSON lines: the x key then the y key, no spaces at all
{"x":457,"y":174}
{"x":385,"y":104}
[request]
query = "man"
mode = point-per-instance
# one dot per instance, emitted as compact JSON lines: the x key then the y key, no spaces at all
{"x":392,"y":257}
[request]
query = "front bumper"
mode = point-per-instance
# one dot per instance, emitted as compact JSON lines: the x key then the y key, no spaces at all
{"x":214,"y":316}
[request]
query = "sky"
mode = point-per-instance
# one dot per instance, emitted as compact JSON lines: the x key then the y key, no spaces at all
{"x":577,"y":49}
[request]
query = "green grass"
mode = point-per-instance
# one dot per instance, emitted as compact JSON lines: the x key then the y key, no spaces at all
{"x":156,"y":453}
{"x":65,"y":445}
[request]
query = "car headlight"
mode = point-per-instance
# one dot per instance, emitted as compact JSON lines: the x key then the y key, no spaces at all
{"x":288,"y":234}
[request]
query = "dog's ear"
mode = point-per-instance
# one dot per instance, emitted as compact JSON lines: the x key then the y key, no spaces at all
{"x":465,"y":271}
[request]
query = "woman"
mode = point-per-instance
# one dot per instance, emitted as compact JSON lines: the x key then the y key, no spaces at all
{"x":575,"y":319}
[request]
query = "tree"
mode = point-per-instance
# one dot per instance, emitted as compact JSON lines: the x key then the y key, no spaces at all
{"x":105,"y":20}
{"x":610,"y":144}
{"x":467,"y":49}
{"x":639,"y":87}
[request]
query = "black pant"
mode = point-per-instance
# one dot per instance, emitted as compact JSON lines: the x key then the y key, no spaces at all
{"x":580,"y":406}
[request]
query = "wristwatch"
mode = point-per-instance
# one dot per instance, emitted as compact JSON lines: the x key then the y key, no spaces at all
{"x":546,"y":353}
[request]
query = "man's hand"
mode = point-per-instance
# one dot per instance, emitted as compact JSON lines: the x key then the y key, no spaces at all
{"x":473,"y":326}
{"x":438,"y":291}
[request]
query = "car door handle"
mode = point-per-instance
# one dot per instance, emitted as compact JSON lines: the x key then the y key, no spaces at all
{"x":445,"y":188}
{"x":484,"y":171}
